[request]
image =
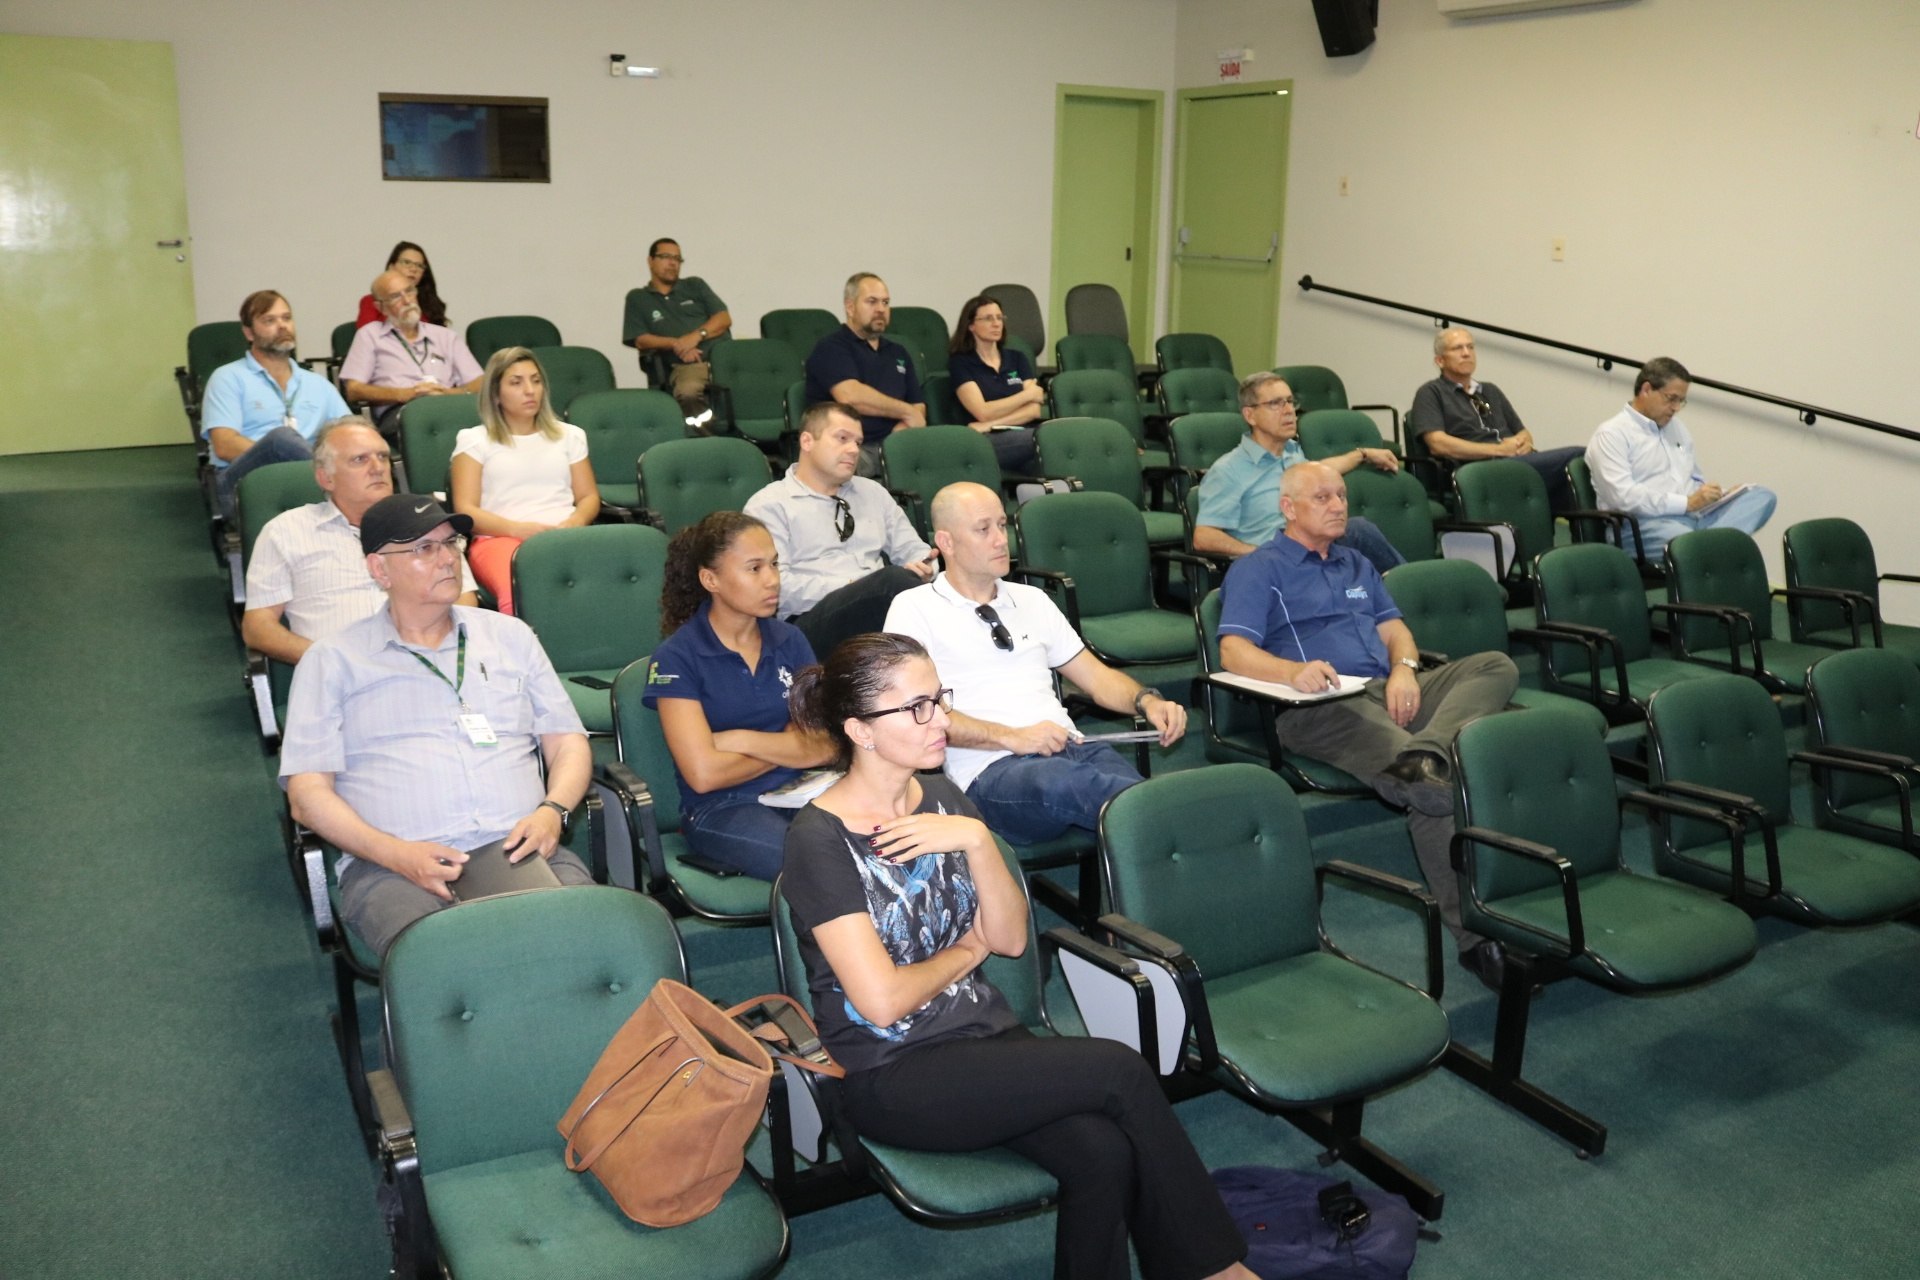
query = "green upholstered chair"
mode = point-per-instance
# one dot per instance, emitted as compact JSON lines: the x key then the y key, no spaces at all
{"x":753,"y":375}
{"x":496,"y":1013}
{"x":1026,"y":318}
{"x":1588,"y":523}
{"x":683,"y":480}
{"x":1199,"y":390}
{"x":915,"y":465}
{"x":572,"y":372}
{"x":592,"y":595}
{"x":1834,"y":555}
{"x":942,"y":405}
{"x":1080,"y":351}
{"x":924,"y":333}
{"x":209,"y":346}
{"x":1102,"y":393}
{"x":1397,"y":503}
{"x":428,"y":427}
{"x":1101,"y":455}
{"x":1177,"y":351}
{"x":1506,"y":491}
{"x":496,"y":333}
{"x":1211,"y":874}
{"x":1722,"y":568}
{"x":642,"y":780}
{"x":801,"y":328}
{"x":1316,"y":387}
{"x":1089,"y":551}
{"x":1718,"y":741}
{"x":264,"y":493}
{"x":1195,"y":441}
{"x":1327,"y":433}
{"x":1097,"y":308}
{"x":340,"y":341}
{"x":620,"y":426}
{"x":1600,"y":642}
{"x":1864,"y":704}
{"x":1541,"y":872}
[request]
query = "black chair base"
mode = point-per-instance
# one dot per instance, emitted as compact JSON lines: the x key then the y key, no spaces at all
{"x":1337,"y":1128}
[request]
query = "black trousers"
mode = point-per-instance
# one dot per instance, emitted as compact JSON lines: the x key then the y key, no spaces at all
{"x":1087,"y":1111}
{"x":855,"y":609}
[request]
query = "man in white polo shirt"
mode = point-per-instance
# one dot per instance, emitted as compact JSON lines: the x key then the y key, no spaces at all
{"x":1012,"y":746}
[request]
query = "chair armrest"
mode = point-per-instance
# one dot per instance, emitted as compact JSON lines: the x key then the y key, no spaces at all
{"x":1732,"y":620}
{"x":1197,"y":567}
{"x":1137,"y":935}
{"x":1050,"y":580}
{"x":1131,"y":933}
{"x":1595,"y":639}
{"x":1895,"y":769}
{"x":1734,"y":820}
{"x":260,"y":691}
{"x":1731,"y":801}
{"x":1431,"y":658}
{"x":1114,"y":995}
{"x":1464,"y":859}
{"x":1378,"y":884}
{"x":392,"y":1122}
{"x":636,"y":801}
{"x":309,"y":853}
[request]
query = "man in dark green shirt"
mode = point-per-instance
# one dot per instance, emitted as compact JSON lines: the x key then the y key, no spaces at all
{"x":673,"y":324}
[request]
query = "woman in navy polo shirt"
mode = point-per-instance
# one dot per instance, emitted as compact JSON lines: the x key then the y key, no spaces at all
{"x":994,"y":384}
{"x":719,"y":681}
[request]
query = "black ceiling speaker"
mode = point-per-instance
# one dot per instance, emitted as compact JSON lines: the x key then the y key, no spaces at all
{"x":1346,"y":26}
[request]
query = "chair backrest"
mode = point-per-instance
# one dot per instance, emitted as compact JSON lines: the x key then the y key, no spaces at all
{"x":1451,"y":606}
{"x":1314,"y":387}
{"x":1192,"y":351}
{"x":943,"y":407}
{"x":924,"y":462}
{"x":1718,"y":566}
{"x":211,"y":345}
{"x":1098,"y":452}
{"x":1026,"y":319}
{"x":592,"y":594}
{"x":1831,"y":552}
{"x":623,"y":424}
{"x":496,"y":333}
{"x":1397,"y":503}
{"x":267,"y":491}
{"x":1580,"y":478}
{"x":428,"y":426}
{"x":571,"y":371}
{"x":1198,"y":440}
{"x":1216,"y":858}
{"x":1078,"y":351}
{"x":924,"y":333}
{"x":756,"y":373}
{"x":342,"y":338}
{"x":1232,"y":718}
{"x":1098,"y":393}
{"x":1500,"y":762}
{"x":1868,"y":699}
{"x":799,"y":327}
{"x":1508,"y":491}
{"x":1097,"y":539}
{"x":685,"y":480}
{"x":1594,"y":585}
{"x":1097,"y":308}
{"x":496,"y":1012}
{"x":1327,"y":433}
{"x":1199,"y":390}
{"x":1722,"y":731}
{"x":1014,"y":342}
{"x":642,"y":744}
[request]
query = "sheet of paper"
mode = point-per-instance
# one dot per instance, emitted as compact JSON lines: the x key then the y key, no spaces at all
{"x":1344,"y":687}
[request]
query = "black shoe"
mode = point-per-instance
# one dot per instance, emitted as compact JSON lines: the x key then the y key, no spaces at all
{"x":1418,"y":780}
{"x":1487,"y":961}
{"x":1420,"y":766}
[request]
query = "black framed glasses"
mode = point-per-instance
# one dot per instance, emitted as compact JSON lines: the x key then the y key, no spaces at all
{"x":1002,"y":638}
{"x":922,"y":708}
{"x":842,"y":518}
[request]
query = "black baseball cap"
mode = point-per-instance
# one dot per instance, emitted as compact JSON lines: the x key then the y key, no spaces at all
{"x":404,"y":517}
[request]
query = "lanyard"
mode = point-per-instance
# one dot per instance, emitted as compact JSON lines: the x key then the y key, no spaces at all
{"x":459,"y":670}
{"x":426,"y":343}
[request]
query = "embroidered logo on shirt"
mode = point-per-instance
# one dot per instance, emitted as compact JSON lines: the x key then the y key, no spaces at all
{"x":899,"y":366}
{"x":1356,"y":593}
{"x":656,"y":314}
{"x":654,"y":676}
{"x":786,"y":681}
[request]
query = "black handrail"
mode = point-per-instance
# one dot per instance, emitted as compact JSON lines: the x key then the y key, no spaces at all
{"x":1808,"y":413}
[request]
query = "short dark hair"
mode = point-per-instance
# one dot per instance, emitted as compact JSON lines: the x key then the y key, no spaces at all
{"x":696,"y":547}
{"x":257,"y":304}
{"x":1658,"y":372}
{"x":653,"y":250}
{"x":814,"y":420}
{"x":826,"y":695}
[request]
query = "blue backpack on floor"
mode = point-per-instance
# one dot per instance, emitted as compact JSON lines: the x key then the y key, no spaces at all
{"x":1304,"y":1226}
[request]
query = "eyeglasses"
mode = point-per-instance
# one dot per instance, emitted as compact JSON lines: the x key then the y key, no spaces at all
{"x":922,"y":708}
{"x":1284,"y":402}
{"x":669,"y":257}
{"x":1002,"y":638}
{"x":1672,"y":401}
{"x":425,"y":553}
{"x":842,"y":518}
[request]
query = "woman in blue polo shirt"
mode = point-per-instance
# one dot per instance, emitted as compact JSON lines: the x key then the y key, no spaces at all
{"x":719,"y":681}
{"x":995,"y":384}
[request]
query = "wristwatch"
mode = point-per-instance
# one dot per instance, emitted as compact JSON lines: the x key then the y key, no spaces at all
{"x":566,"y":815}
{"x":1411,"y":664}
{"x":1139,"y":699}
{"x":703,"y":335}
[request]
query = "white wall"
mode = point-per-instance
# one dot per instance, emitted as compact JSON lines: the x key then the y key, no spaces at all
{"x":1736,"y":182}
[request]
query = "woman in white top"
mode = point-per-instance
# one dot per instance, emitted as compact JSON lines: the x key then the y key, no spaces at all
{"x":521,"y":472}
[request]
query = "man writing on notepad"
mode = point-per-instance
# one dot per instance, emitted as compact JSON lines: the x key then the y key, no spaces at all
{"x":1300,"y":610}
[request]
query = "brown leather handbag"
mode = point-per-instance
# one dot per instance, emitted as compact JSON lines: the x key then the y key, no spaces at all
{"x":664,"y":1117}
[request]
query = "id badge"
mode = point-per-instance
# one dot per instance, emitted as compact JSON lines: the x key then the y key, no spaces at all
{"x":290,"y":423}
{"x":478,"y":731}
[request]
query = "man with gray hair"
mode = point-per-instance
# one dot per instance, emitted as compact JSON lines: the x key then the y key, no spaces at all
{"x":858,"y":366}
{"x":307,"y":577}
{"x":1462,"y":420}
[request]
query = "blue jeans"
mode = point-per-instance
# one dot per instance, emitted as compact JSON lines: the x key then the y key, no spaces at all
{"x":1027,"y":799}
{"x":742,"y":833}
{"x":282,"y":444}
{"x":1748,"y":513}
{"x":1365,"y":537}
{"x":1552,"y":466}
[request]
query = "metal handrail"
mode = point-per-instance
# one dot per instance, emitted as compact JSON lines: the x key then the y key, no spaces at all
{"x":1807,"y":413}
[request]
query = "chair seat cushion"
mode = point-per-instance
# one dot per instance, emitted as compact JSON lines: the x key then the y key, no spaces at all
{"x":1315,"y":1028}
{"x":1165,"y":529}
{"x":1786,"y":661}
{"x":1643,"y":933}
{"x":723,"y":897}
{"x":1883,"y":814}
{"x":594,"y":705}
{"x":958,"y":1183}
{"x":1068,"y":849}
{"x":1900,"y":639}
{"x":1644,"y":677}
{"x":1150,"y":458}
{"x":1142,"y":635}
{"x":620,"y":495}
{"x":1826,"y":877}
{"x":525,"y":1215}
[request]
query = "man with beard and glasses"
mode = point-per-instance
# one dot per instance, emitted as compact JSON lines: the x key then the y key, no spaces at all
{"x":845,"y":547}
{"x":857,"y":366}
{"x":263,"y":407}
{"x":415,"y":737}
{"x":1011,"y":745}
{"x":395,"y":359}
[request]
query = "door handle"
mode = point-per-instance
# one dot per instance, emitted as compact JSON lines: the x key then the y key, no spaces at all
{"x":169,"y":244}
{"x":1273,"y":247}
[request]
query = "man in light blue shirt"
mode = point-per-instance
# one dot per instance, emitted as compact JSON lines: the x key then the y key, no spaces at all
{"x":1239,"y":500}
{"x":263,"y":407}
{"x":1643,"y":463}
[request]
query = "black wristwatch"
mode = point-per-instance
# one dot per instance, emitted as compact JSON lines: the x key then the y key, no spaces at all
{"x":566,"y":814}
{"x":1146,"y":691}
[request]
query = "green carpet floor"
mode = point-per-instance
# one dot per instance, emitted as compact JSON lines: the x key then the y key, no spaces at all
{"x":173,"y":1106}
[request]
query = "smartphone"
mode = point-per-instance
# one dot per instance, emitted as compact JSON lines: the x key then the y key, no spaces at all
{"x":709,"y":865}
{"x":592,"y":682}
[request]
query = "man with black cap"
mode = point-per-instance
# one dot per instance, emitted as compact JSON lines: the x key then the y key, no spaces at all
{"x":411,"y":735}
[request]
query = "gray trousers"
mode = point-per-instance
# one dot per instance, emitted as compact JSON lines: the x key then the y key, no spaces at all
{"x":1357,"y":735}
{"x":377,"y":903}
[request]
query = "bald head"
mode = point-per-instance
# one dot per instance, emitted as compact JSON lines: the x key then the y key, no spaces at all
{"x":970,"y":529}
{"x":1313,"y":498}
{"x":1303,"y":477}
{"x":957,"y":504}
{"x":398,"y":298}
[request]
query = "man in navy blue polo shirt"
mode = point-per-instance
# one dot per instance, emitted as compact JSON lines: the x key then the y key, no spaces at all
{"x":1301,"y":609}
{"x":858,"y":367}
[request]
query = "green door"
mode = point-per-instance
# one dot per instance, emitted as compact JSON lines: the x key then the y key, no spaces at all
{"x":93,"y":245}
{"x":1106,"y":186}
{"x":1229,"y":199}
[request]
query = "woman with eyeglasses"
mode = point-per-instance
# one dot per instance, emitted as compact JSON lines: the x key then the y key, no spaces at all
{"x":995,"y":384}
{"x":520,"y":472}
{"x":719,"y":682}
{"x":410,"y":260}
{"x":899,"y":894}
